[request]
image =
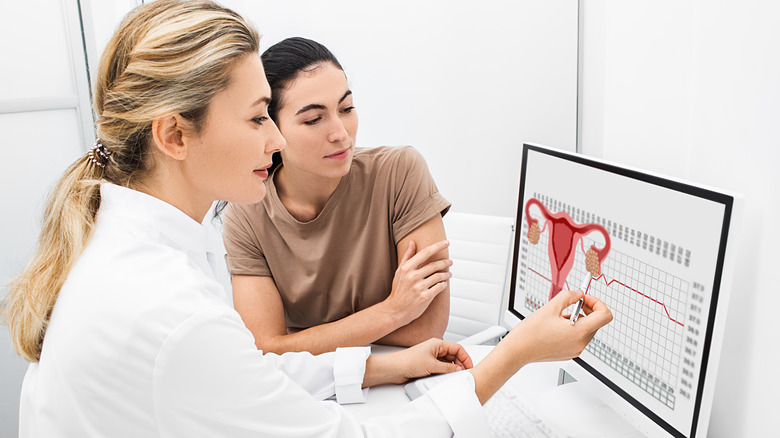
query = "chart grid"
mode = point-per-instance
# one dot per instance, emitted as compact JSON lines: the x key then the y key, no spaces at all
{"x":644,"y":341}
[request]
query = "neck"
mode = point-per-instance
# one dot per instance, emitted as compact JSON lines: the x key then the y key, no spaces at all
{"x":168,"y":185}
{"x":304,"y":195}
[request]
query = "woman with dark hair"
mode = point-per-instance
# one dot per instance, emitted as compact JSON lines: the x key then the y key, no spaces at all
{"x":349,"y":247}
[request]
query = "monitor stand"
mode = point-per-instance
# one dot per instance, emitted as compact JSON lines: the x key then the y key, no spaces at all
{"x":572,"y":410}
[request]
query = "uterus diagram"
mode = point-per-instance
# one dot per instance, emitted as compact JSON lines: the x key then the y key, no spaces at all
{"x":564,"y":237}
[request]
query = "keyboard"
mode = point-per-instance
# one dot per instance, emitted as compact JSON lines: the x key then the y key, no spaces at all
{"x":511,"y":415}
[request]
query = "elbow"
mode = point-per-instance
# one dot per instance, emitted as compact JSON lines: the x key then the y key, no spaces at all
{"x":434,"y":328}
{"x":273,"y":344}
{"x":438,"y":329}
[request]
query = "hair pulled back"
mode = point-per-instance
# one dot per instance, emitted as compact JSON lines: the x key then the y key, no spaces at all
{"x":167,"y":56}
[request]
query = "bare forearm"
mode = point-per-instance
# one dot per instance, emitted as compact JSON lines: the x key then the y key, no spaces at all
{"x":358,"y":329}
{"x":495,"y":369}
{"x":380,"y":370}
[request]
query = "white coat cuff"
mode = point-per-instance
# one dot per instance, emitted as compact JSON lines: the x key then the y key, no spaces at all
{"x":349,"y":369}
{"x":457,"y":402}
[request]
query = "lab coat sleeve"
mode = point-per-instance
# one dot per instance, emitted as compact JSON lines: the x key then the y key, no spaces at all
{"x":211,"y":381}
{"x":339,"y":373}
{"x":451,"y":407}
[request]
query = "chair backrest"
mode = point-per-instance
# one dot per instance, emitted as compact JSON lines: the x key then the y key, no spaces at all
{"x":480,"y":247}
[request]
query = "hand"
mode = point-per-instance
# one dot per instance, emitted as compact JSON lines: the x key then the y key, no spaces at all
{"x":547,"y":334}
{"x":433,"y":356}
{"x":417,"y":282}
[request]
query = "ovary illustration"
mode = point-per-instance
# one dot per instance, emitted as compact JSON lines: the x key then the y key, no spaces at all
{"x":563,"y":239}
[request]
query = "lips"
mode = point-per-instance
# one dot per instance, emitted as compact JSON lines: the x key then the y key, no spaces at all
{"x":338,"y":155}
{"x":262,"y":172}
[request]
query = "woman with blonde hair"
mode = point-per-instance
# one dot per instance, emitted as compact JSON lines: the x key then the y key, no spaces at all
{"x":127,"y":330}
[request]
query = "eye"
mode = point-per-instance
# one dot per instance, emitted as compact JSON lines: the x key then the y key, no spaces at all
{"x":312,"y":121}
{"x":348,"y":109}
{"x":260,"y":120}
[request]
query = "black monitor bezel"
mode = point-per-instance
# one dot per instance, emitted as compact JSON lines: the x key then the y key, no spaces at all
{"x":726,"y":200}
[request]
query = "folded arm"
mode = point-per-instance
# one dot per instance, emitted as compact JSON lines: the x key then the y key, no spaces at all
{"x":417,"y":308}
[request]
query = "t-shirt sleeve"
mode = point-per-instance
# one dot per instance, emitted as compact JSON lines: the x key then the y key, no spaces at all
{"x":416,"y":197}
{"x":244,"y":254}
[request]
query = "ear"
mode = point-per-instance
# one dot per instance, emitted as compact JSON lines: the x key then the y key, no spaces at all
{"x":168,"y":135}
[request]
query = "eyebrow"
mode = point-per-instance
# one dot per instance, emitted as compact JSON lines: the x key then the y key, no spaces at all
{"x":265,"y":99}
{"x":319,"y":105}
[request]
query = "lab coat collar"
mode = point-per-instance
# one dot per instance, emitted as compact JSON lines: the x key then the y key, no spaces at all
{"x":156,"y":214}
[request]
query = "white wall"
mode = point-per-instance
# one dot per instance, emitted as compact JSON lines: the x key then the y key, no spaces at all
{"x":464,"y":82}
{"x":690,"y":88}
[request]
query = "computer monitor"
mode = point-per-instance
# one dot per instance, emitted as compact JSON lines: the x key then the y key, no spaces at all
{"x":658,"y":252}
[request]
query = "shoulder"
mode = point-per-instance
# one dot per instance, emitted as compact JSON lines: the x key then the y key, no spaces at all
{"x":383,"y":154}
{"x":131,"y":292}
{"x":146,"y":271}
{"x":245,"y":220}
{"x":241,"y":213}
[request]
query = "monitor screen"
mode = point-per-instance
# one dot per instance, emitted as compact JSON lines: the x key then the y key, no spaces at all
{"x":653,"y":249}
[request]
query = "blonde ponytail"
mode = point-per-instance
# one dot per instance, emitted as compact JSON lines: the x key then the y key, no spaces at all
{"x":68,"y":219}
{"x":167,"y":56}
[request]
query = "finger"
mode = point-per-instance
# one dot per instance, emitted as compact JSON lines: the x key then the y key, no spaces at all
{"x":439,"y":367}
{"x":426,"y":253}
{"x":566,"y":298}
{"x":436,"y":266}
{"x":409,"y":252}
{"x":468,"y":364}
{"x":433,"y":280}
{"x":592,"y":303}
{"x":428,"y":294}
{"x":596,"y":318}
{"x":453,"y":352}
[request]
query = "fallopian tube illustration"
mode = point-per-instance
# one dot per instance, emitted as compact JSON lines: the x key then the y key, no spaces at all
{"x":564,"y":236}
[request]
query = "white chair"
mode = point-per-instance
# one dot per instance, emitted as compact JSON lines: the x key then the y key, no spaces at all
{"x":480,"y":247}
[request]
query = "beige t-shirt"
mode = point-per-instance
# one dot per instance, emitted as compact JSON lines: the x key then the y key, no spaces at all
{"x":344,"y":260}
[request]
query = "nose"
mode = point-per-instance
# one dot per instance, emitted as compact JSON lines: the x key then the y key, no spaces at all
{"x":338,"y":132}
{"x":276,"y":141}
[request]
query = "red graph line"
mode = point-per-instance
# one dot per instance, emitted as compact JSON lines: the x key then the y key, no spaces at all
{"x":543,"y":275}
{"x":601,"y":277}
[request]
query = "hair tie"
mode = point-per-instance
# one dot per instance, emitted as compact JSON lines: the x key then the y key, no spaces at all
{"x":98,"y":154}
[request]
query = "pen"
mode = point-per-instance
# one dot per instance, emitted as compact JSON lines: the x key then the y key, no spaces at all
{"x":576,"y":313}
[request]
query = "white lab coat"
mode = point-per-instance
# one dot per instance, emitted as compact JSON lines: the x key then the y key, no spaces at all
{"x":142,"y":343}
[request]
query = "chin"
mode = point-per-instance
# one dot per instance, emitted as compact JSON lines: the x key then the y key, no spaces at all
{"x":344,"y":168}
{"x":249,"y":198}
